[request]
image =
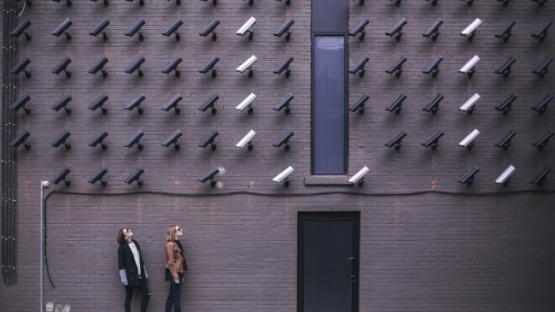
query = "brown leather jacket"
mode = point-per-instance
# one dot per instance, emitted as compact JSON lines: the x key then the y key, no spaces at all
{"x":175,"y":259}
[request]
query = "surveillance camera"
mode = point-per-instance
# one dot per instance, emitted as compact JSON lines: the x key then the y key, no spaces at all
{"x":62,"y":176}
{"x":63,"y":104}
{"x":20,"y":104}
{"x":284,"y":176}
{"x":285,"y":29}
{"x":505,"y":69}
{"x":172,"y":29}
{"x":172,"y":66}
{"x":283,"y":104}
{"x":468,"y":177}
{"x":172,"y":139}
{"x":99,"y":103}
{"x":135,"y":175}
{"x":433,"y":67}
{"x":433,"y":141}
{"x":99,"y":176}
{"x":209,"y":140}
{"x":397,"y":29}
{"x":470,"y":139}
{"x":99,"y":139}
{"x":62,"y":139}
{"x":68,"y":2}
{"x":210,"y":176}
{"x":505,"y":175}
{"x":22,"y":67}
{"x":433,"y":105}
{"x":358,"y":106}
{"x":62,"y":66}
{"x":284,"y":140}
{"x":359,"y":67}
{"x":396,"y":141}
{"x":136,"y":140}
{"x":136,"y":29}
{"x":172,"y":104}
{"x":210,"y":29}
{"x":397,"y":67}
{"x":21,"y":28}
{"x":397,"y":104}
{"x":505,"y":32}
{"x":100,"y":28}
{"x":505,"y":141}
{"x":542,"y":141}
{"x":62,"y":29}
{"x":246,"y":28}
{"x":470,"y":66}
{"x":470,"y":30}
{"x":541,"y":106}
{"x":358,"y":31}
{"x":106,"y":2}
{"x":540,"y":178}
{"x":541,"y":33}
{"x":433,"y":31}
{"x":506,"y":105}
{"x":246,"y":141}
{"x":209,"y":66}
{"x":284,"y":67}
{"x":543,"y":67}
{"x":99,"y":66}
{"x":214,"y":2}
{"x":247,"y":65}
{"x":20,"y":138}
{"x":136,"y":103}
{"x":358,"y":178}
{"x":470,"y":104}
{"x":210,"y":104}
{"x":247,"y":103}
{"x":135,"y":66}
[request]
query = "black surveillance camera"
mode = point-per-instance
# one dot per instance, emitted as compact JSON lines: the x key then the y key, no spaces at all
{"x":433,"y":105}
{"x":61,"y":139}
{"x":68,"y":2}
{"x":136,"y":140}
{"x":359,"y":31}
{"x":99,"y":177}
{"x":209,"y":140}
{"x":543,"y":140}
{"x":172,"y":104}
{"x":506,"y":105}
{"x":541,"y":106}
{"x":136,"y":28}
{"x":397,"y":67}
{"x":20,"y":104}
{"x":172,"y":66}
{"x":396,"y":141}
{"x":505,"y":32}
{"x":99,"y":139}
{"x":505,"y":142}
{"x":540,"y":178}
{"x":22,"y":67}
{"x":287,"y":2}
{"x":284,"y":67}
{"x":433,"y":68}
{"x":210,"y":29}
{"x":99,"y":66}
{"x":285,"y":29}
{"x":396,"y":3}
{"x":433,"y":31}
{"x":209,"y":66}
{"x":136,"y":66}
{"x":62,"y":29}
{"x":433,"y":141}
{"x":99,"y":103}
{"x":397,"y":29}
{"x":62,"y":103}
{"x":135,"y":175}
{"x":543,"y":67}
{"x":62,"y":66}
{"x":211,"y":175}
{"x":505,"y":69}
{"x":172,"y":29}
{"x":468,"y":177}
{"x":62,"y":176}
{"x":172,"y":139}
{"x":141,"y":2}
{"x":136,"y":103}
{"x":21,"y":28}
{"x":397,"y":104}
{"x":106,"y":3}
{"x":20,"y":138}
{"x":214,"y":2}
{"x":284,"y":140}
{"x":210,"y":103}
{"x":283,"y":104}
{"x":359,"y":67}
{"x":358,"y":106}
{"x":541,"y":33}
{"x":100,"y":28}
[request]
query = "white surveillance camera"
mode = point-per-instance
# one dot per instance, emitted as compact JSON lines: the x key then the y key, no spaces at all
{"x":470,"y":30}
{"x":469,"y":140}
{"x":246,"y":103}
{"x":468,"y":68}
{"x":359,"y":176}
{"x":247,"y":64}
{"x":469,"y":105}
{"x":283,"y":176}
{"x":247,"y":27}
{"x":245,"y":142}
{"x":506,"y":175}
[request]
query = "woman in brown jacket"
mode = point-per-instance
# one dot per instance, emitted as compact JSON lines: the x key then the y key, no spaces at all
{"x":176,"y":265}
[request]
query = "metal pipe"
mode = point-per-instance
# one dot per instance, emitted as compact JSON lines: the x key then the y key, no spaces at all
{"x":43,"y":185}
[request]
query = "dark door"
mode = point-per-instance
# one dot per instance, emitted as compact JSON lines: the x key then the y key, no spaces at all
{"x":327,"y":261}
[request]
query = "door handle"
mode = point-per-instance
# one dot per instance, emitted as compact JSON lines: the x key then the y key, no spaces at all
{"x":352,"y":275}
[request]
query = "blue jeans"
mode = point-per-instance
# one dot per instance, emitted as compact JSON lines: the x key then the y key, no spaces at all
{"x":174,"y":295}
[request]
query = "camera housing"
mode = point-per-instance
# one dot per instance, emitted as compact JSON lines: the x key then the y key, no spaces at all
{"x":543,"y":140}
{"x":359,"y":30}
{"x":470,"y":104}
{"x":506,"y":31}
{"x":397,"y":104}
{"x":100,"y":27}
{"x":433,"y":31}
{"x":433,"y":68}
{"x":62,"y":175}
{"x":284,"y":103}
{"x":62,"y":66}
{"x":62,"y":103}
{"x":505,"y":142}
{"x":172,"y":139}
{"x":246,"y":141}
{"x":209,"y":140}
{"x":247,"y":103}
{"x":172,"y":104}
{"x":505,"y":176}
{"x":61,"y":139}
{"x":358,"y":67}
{"x":135,"y":175}
{"x":172,"y":66}
{"x":22,"y":28}
{"x":211,"y":176}
{"x":63,"y":29}
{"x":470,"y":67}
{"x":397,"y":67}
{"x":136,"y":140}
{"x":99,"y":139}
{"x":468,"y":177}
{"x":99,"y":177}
{"x":541,"y":106}
{"x":470,"y":30}
{"x":22,"y":67}
{"x":99,"y":66}
{"x":539,"y":179}
{"x":99,"y":103}
{"x":396,"y":141}
{"x":433,"y":141}
{"x":358,"y":177}
{"x":136,"y":28}
{"x":542,"y":68}
{"x":284,"y":67}
{"x":505,"y":69}
{"x":209,"y":66}
{"x":136,"y":66}
{"x":506,"y":106}
{"x":433,"y":105}
{"x":210,"y":29}
{"x":283,"y":141}
{"x":172,"y":29}
{"x":358,"y":106}
{"x":20,"y":104}
{"x":285,"y":29}
{"x":20,"y":139}
{"x":136,"y":103}
{"x":470,"y":139}
{"x":397,"y":29}
{"x":283,"y":177}
{"x":247,"y":65}
{"x":541,"y":33}
{"x":246,"y":28}
{"x":210,"y":103}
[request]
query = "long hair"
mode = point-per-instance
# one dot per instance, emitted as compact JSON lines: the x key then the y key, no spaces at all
{"x":121,"y":236}
{"x":170,"y":235}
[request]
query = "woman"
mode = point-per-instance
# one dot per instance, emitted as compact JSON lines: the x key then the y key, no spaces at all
{"x":132,"y":270}
{"x":176,"y":265}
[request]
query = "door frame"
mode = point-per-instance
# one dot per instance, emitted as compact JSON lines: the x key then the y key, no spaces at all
{"x":322,"y":216}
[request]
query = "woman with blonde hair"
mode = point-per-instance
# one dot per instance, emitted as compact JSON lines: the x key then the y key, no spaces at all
{"x":176,"y":265}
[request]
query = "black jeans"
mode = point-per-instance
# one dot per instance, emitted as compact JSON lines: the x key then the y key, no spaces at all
{"x":145,"y":293}
{"x":174,"y":295}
